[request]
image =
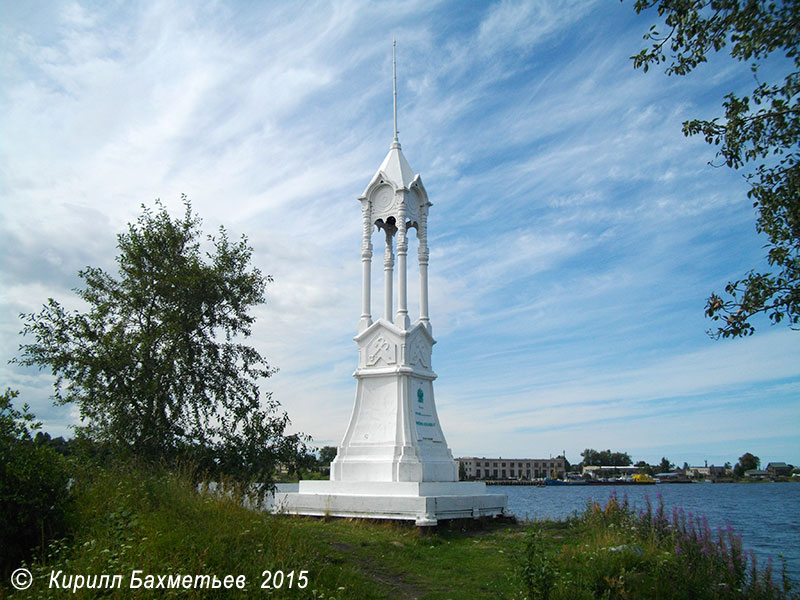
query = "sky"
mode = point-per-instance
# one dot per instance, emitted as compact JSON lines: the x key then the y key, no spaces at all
{"x":575,"y":233}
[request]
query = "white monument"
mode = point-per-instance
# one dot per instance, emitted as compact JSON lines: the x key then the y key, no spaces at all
{"x":394,"y":462}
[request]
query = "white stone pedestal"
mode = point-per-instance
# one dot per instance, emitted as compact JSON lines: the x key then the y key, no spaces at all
{"x":425,"y":503}
{"x":394,"y":462}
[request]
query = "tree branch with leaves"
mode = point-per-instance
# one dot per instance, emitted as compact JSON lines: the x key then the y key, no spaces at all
{"x":759,"y":133}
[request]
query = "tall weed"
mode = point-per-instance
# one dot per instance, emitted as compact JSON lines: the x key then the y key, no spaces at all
{"x":628,"y":553}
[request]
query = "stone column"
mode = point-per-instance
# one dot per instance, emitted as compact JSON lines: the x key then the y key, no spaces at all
{"x":366,"y":271}
{"x":402,"y":320}
{"x":388,"y":266}
{"x":423,"y":254}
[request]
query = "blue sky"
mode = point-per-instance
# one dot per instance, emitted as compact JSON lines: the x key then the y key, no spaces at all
{"x":575,"y":232}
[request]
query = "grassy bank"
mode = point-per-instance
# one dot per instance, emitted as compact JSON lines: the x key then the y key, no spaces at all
{"x":129,"y":520}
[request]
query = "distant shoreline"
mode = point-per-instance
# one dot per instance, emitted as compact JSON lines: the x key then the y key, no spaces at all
{"x":541,"y":483}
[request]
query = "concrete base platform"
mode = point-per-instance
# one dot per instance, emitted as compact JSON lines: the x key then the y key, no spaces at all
{"x":425,"y":503}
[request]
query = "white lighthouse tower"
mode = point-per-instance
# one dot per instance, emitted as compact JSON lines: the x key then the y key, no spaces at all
{"x":394,"y":461}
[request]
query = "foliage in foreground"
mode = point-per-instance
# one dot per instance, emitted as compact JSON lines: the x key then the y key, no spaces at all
{"x":627,"y":553}
{"x":761,"y":130}
{"x":159,"y":522}
{"x":33,"y":485}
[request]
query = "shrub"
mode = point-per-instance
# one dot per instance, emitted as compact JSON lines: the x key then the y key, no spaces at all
{"x":536,"y":568}
{"x":647,"y":554}
{"x":33,"y":486}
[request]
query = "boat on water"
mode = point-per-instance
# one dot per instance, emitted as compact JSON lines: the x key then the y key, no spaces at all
{"x":621,"y":481}
{"x":673,"y":478}
{"x":549,"y":481}
{"x":638,"y":479}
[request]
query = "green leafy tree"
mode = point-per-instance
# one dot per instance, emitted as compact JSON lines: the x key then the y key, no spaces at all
{"x":619,"y":459}
{"x":327,"y":454}
{"x":748,"y":462}
{"x":567,"y":465}
{"x":596,"y":458}
{"x":33,"y":485}
{"x":664,"y":466}
{"x":759,"y":133}
{"x":156,"y":365}
{"x":591,"y":458}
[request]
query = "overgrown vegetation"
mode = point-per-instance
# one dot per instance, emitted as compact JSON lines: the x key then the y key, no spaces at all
{"x":628,"y":553}
{"x":33,"y":486}
{"x":159,"y":522}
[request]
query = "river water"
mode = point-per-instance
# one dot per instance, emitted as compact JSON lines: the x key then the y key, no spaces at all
{"x":767,"y":515}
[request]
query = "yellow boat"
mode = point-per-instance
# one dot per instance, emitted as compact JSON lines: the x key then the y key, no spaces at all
{"x":643,"y":478}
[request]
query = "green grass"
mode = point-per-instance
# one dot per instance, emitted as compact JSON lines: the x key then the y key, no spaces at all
{"x":464,"y":560}
{"x":129,"y":519}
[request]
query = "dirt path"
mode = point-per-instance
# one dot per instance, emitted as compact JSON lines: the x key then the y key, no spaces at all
{"x":391,"y":584}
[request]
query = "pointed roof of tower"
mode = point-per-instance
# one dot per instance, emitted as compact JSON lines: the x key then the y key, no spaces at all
{"x":394,"y":168}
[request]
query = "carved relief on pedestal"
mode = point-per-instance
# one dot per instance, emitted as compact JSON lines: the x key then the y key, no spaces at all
{"x":381,"y":349}
{"x":420,"y":354}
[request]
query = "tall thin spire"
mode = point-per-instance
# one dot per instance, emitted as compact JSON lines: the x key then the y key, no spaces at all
{"x":394,"y":84}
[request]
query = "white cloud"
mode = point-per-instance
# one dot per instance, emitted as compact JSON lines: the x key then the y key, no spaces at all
{"x":516,"y":25}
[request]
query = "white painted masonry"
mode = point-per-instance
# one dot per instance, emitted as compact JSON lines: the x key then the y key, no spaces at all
{"x":394,"y":461}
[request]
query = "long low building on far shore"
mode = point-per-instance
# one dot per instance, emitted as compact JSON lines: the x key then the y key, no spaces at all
{"x":474,"y":467}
